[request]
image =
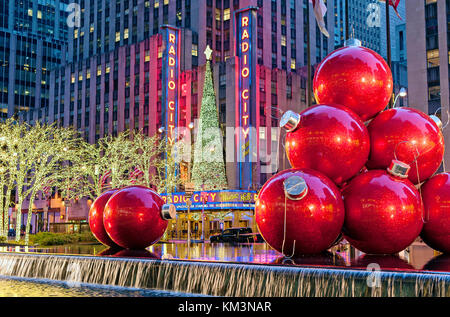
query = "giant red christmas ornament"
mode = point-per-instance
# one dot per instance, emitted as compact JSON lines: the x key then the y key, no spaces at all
{"x":299,"y":211}
{"x":355,"y":77}
{"x":96,"y":218}
{"x":329,"y":139}
{"x":383,"y":210}
{"x":133,"y":217}
{"x":410,"y":134}
{"x":436,"y":201}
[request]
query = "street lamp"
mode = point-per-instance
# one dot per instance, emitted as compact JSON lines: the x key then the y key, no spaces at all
{"x":402,"y":93}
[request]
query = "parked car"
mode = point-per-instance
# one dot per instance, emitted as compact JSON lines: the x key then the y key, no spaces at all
{"x":237,"y":235}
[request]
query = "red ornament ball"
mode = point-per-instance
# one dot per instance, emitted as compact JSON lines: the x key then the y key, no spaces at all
{"x":96,"y":218}
{"x":313,"y":208}
{"x":330,"y":139}
{"x":355,"y":77}
{"x":411,"y":134}
{"x":133,"y":219}
{"x":383,"y":213}
{"x":436,"y":201}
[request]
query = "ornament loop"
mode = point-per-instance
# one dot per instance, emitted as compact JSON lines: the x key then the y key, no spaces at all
{"x":415,"y":157}
{"x":284,"y":231}
{"x":278,"y":110}
{"x":438,"y":121}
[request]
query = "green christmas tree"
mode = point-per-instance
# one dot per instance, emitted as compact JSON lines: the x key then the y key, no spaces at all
{"x":208,"y":171}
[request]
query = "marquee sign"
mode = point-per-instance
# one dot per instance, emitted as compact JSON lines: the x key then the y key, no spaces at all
{"x":171,"y":71}
{"x":245,"y":94}
{"x":214,"y":200}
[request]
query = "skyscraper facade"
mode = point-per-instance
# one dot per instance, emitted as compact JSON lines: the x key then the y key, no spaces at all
{"x":428,"y":44}
{"x":33,"y":37}
{"x":132,"y":64}
{"x":114,"y":78}
{"x":367,"y":22}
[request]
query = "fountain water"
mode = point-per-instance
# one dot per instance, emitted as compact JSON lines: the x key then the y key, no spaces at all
{"x":223,"y":279}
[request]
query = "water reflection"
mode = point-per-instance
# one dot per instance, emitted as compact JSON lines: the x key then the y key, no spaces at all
{"x":323,"y":259}
{"x":439,"y":263}
{"x":136,"y":254}
{"x":386,"y":262}
{"x":108,"y":251}
{"x":417,"y":257}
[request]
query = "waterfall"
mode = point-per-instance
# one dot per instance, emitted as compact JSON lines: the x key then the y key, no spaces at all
{"x":222,"y":279}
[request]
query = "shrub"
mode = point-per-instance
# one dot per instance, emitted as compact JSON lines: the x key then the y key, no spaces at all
{"x":3,"y":239}
{"x":50,"y":238}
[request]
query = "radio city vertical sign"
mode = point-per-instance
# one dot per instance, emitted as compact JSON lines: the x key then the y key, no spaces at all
{"x":171,"y":73}
{"x":245,"y":30}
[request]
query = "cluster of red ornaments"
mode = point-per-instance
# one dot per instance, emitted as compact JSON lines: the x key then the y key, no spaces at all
{"x":134,"y":217}
{"x":357,"y":170}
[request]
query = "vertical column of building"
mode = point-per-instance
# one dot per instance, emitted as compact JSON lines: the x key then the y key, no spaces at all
{"x":12,"y":73}
{"x":153,"y":100}
{"x":443,"y":30}
{"x":416,"y":52}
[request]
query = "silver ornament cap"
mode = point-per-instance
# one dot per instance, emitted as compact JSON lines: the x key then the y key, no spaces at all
{"x":352,"y":42}
{"x":295,"y":187}
{"x":168,"y":211}
{"x":437,"y":121}
{"x":399,"y":169}
{"x":289,"y":121}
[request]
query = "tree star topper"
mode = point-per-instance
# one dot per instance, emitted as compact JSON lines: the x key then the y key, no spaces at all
{"x":208,"y":52}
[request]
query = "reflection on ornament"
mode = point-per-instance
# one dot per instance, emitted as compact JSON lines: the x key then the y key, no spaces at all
{"x":133,"y":218}
{"x":412,"y":135}
{"x":330,"y":139}
{"x":355,"y":77}
{"x":96,"y":218}
{"x":383,"y":212}
{"x":306,"y":222}
{"x":436,"y":200}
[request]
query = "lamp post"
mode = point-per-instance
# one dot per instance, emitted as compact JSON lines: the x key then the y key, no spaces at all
{"x":402,"y":93}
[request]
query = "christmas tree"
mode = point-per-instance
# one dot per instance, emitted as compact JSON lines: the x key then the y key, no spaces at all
{"x":208,"y":171}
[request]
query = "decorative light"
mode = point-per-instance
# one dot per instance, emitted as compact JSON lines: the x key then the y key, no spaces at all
{"x":402,"y":93}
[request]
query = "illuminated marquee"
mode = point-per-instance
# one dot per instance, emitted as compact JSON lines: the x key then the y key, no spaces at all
{"x":171,"y":71}
{"x":245,"y":95}
{"x":214,"y":200}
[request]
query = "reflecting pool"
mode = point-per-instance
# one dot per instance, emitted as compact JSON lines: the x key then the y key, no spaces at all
{"x":416,"y":257}
{"x":23,"y":287}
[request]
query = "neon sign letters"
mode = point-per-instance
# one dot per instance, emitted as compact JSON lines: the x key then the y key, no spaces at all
{"x":171,"y":64}
{"x":244,"y":99}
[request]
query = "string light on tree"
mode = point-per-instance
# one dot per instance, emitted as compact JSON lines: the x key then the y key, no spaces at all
{"x":209,"y":167}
